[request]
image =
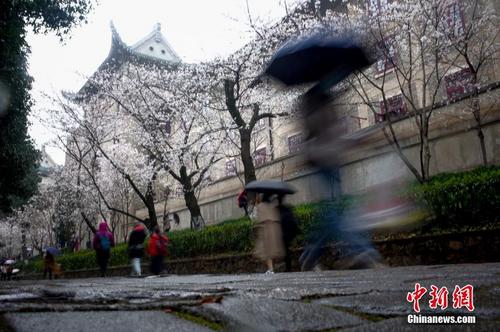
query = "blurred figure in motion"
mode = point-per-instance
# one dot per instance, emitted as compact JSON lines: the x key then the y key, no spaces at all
{"x":102,"y":243}
{"x":136,"y":247}
{"x":7,"y":268}
{"x":48,"y":265}
{"x":157,"y":249}
{"x":325,"y":58}
{"x":4,"y":269}
{"x":269,"y":241}
{"x":326,"y":147}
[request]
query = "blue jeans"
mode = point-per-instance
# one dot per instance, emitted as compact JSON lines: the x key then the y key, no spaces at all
{"x":334,"y":225}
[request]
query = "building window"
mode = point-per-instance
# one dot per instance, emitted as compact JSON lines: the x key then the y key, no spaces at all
{"x":377,"y":7}
{"x":231,"y":167}
{"x":459,"y":83}
{"x":261,"y":124}
{"x":295,"y":143}
{"x":396,"y":107}
{"x":167,"y":127}
{"x":260,"y":156}
{"x":344,"y":124}
{"x":388,"y":55}
{"x":454,"y":20}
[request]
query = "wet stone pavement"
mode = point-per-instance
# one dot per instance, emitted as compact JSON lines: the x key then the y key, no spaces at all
{"x":357,"y":300}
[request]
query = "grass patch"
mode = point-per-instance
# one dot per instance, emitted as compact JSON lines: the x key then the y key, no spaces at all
{"x":363,"y":315}
{"x":197,"y":319}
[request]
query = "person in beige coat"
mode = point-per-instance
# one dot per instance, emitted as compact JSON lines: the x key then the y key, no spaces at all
{"x":269,"y":242}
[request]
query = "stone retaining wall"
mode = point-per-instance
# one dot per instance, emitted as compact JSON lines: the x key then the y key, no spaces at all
{"x":467,"y":247}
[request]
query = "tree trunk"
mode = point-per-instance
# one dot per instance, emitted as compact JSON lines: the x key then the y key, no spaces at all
{"x":197,"y":221}
{"x":480,"y":135}
{"x":246,"y":156}
{"x":427,"y":155}
{"x":476,"y":112}
{"x":89,"y":223}
{"x":151,"y":222}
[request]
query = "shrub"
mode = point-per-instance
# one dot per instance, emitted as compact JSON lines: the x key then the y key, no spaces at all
{"x":465,"y":197}
{"x":230,"y":236}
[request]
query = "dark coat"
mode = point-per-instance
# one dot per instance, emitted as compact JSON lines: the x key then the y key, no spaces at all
{"x":136,"y":242}
{"x":288,"y":222}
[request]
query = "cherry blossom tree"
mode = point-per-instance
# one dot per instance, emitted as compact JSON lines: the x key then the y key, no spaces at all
{"x":99,"y":144}
{"x":470,"y":30}
{"x":10,"y":236}
{"x":37,"y":221}
{"x":407,"y":79}
{"x":174,"y":126}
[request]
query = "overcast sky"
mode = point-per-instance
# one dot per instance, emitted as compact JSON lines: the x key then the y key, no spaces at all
{"x":197,"y":30}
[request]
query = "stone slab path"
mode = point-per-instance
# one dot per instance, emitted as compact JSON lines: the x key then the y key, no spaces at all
{"x":356,"y":300}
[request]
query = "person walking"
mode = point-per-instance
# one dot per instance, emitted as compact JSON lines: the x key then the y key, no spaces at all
{"x":157,"y":249}
{"x":102,"y":243}
{"x":269,"y":241}
{"x":136,"y":247}
{"x":243,"y":201}
{"x":48,"y":265}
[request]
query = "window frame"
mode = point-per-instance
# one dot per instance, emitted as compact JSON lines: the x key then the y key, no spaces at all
{"x":298,"y":146}
{"x":398,"y":112}
{"x":260,"y":158}
{"x":454,"y":19}
{"x":466,"y":83}
{"x":377,"y":7}
{"x":167,"y":127}
{"x":231,"y":170}
{"x":388,"y":62}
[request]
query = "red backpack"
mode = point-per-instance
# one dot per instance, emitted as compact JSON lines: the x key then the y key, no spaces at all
{"x":161,"y":246}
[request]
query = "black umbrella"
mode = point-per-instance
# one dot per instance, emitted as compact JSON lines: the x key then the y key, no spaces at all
{"x":270,"y":186}
{"x":317,"y":57}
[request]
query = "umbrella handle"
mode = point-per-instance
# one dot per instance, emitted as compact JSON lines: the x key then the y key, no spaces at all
{"x":331,"y":79}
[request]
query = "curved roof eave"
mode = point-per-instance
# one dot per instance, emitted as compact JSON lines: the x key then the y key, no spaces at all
{"x":120,"y":53}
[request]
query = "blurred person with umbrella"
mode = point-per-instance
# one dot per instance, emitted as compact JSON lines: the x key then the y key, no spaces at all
{"x":53,"y":251}
{"x":325,"y":59}
{"x":48,"y":263}
{"x":269,"y":243}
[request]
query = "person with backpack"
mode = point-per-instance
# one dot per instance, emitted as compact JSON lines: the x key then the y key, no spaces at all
{"x":243,"y":201}
{"x":157,"y":249}
{"x":289,"y":230}
{"x":102,"y":243}
{"x":136,"y":247}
